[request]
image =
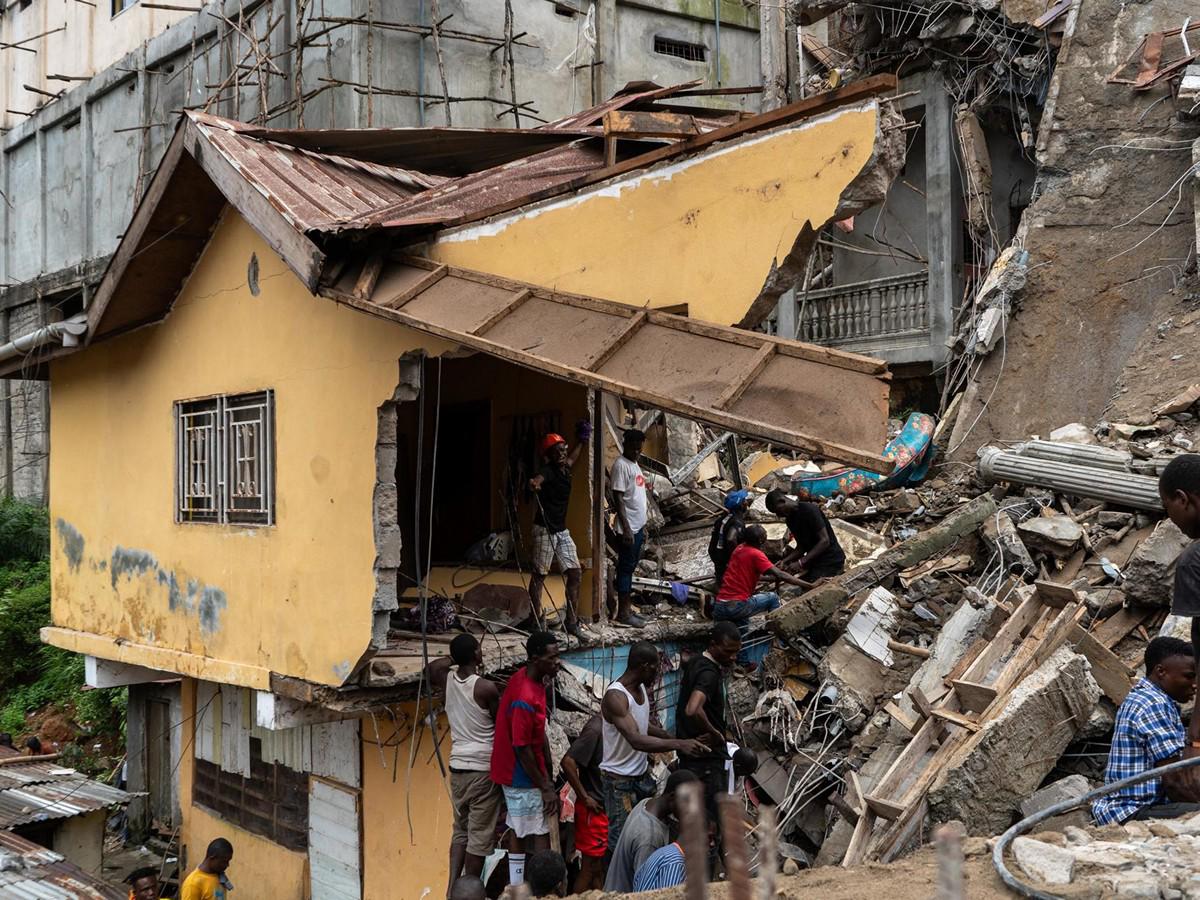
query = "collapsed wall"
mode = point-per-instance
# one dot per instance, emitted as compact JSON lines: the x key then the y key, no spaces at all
{"x":1110,"y":231}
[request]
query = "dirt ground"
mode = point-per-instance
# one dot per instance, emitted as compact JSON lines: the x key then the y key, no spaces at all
{"x":911,"y":878}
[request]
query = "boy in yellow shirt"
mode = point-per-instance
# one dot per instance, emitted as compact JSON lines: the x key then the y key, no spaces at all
{"x":208,"y":881}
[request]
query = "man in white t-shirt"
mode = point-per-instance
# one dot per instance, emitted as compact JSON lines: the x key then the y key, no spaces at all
{"x":628,"y":486}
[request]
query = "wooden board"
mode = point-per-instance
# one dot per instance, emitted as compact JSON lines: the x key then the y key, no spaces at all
{"x":972,"y":695}
{"x":956,"y":719}
{"x":884,"y":809}
{"x":1114,"y":629}
{"x":1056,"y":595}
{"x":668,"y":362}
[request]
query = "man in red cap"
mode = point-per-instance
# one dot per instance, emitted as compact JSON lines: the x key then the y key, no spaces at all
{"x":551,"y":540}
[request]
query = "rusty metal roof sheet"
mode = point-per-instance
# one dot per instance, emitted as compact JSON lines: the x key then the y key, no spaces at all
{"x":59,"y":798}
{"x":28,"y":870}
{"x":466,"y":196}
{"x":633,"y":92}
{"x":312,"y":190}
{"x":435,"y":151}
{"x":17,"y":774}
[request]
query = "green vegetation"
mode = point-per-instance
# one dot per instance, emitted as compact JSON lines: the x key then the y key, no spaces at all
{"x":36,"y":677}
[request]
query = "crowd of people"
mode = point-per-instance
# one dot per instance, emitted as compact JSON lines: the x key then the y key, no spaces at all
{"x":608,"y":810}
{"x":620,"y":820}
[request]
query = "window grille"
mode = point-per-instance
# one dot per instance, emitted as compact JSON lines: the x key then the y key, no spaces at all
{"x":225,"y":459}
{"x":680,"y":49}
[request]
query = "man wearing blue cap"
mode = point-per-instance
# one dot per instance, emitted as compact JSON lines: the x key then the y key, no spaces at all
{"x":727,"y":532}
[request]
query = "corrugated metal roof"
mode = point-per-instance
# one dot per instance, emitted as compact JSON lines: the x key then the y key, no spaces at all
{"x":28,"y":870}
{"x":59,"y":798}
{"x":312,"y":190}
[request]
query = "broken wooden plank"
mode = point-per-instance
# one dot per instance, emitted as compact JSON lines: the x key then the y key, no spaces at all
{"x":956,"y":719}
{"x":884,"y":809}
{"x":972,"y":695}
{"x":1056,"y":595}
{"x":908,"y":649}
{"x":1113,"y":676}
{"x":623,"y":123}
{"x":1116,"y":627}
{"x":369,"y":276}
{"x":907,"y":722}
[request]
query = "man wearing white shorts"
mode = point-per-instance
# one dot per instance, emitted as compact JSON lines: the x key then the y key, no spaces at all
{"x":551,"y":489}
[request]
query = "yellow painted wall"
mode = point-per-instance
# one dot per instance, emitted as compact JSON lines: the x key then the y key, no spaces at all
{"x":260,"y":868}
{"x":399,"y":864}
{"x":294,"y":598}
{"x":705,"y":231}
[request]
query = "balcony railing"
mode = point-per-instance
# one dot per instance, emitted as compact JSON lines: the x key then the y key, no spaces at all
{"x":879,"y":314}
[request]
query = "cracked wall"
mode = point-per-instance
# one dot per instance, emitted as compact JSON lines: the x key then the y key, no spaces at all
{"x":1108,"y":235}
{"x":299,"y":598}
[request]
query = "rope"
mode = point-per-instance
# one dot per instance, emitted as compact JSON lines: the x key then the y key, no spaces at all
{"x":1066,"y":806}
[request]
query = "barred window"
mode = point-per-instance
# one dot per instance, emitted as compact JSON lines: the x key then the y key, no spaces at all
{"x":680,"y":49}
{"x":225,"y":459}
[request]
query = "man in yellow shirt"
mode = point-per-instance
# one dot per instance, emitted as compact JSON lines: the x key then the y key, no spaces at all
{"x":208,"y":881}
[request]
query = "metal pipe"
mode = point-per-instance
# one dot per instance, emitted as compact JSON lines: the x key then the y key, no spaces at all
{"x":1122,"y":488}
{"x":68,"y":331}
{"x":1066,"y":806}
{"x":1078,"y":454}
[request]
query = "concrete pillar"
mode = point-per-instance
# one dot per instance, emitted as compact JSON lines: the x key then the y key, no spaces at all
{"x":604,"y":75}
{"x":773,"y":31}
{"x":785,"y":315}
{"x":941,"y":212}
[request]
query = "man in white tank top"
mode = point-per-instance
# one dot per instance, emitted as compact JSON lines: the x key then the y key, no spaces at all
{"x":471,"y":703}
{"x":630,"y":735}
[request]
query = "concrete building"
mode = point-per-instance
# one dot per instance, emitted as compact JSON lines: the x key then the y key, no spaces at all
{"x":77,"y":153}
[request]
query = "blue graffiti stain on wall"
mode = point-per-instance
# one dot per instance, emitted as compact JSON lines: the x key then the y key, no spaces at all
{"x":72,"y":543}
{"x":212,"y":601}
{"x":206,"y":600}
{"x":131,"y":562}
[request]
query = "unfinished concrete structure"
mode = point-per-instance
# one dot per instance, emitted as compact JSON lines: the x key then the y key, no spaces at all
{"x":77,"y":153}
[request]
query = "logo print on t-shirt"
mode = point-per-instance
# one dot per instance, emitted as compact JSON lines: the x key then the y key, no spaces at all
{"x":640,"y":481}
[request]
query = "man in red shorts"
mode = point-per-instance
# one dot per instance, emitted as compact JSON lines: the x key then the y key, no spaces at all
{"x":581,"y":766}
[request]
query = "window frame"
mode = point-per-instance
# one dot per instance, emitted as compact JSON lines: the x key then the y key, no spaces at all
{"x":215,"y":439}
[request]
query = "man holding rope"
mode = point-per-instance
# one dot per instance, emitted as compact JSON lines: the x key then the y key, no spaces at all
{"x":551,"y":488}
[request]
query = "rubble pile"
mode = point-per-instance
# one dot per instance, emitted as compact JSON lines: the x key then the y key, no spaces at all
{"x":976,"y":647}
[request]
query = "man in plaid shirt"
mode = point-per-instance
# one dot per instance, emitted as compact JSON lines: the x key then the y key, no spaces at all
{"x":1149,"y":733}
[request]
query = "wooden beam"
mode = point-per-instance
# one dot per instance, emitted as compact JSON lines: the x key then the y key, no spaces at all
{"x":1116,"y":627}
{"x":956,"y":719}
{"x":907,"y":649}
{"x":503,"y":312}
{"x":413,"y":290}
{"x":1113,"y":676}
{"x":921,"y":702}
{"x":609,"y":351}
{"x":885,"y":809}
{"x":1055,"y":595}
{"x":738,"y":386}
{"x":972,"y":695}
{"x":629,"y":124}
{"x":364,"y":287}
{"x":907,"y":722}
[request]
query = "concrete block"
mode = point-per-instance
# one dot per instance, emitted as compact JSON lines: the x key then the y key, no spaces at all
{"x":385,"y":504}
{"x":966,"y":624}
{"x":1070,"y":788}
{"x":1074,"y":433}
{"x":1044,"y":862}
{"x":1056,"y":535}
{"x":1003,"y":763}
{"x":1150,"y":573}
{"x":388,"y":546}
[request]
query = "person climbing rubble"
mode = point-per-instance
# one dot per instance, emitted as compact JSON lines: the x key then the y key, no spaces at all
{"x":551,"y":489}
{"x":738,"y":598}
{"x":727,"y":531}
{"x":817,"y":553}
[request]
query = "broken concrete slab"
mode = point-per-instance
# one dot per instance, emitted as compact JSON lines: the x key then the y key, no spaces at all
{"x":873,"y":624}
{"x":1001,"y":535}
{"x":1070,"y":788}
{"x":984,"y":785}
{"x":859,"y":680}
{"x":1044,"y":862}
{"x":822,"y":601}
{"x":1181,"y":402}
{"x":1150,"y":572}
{"x":1057,"y":535}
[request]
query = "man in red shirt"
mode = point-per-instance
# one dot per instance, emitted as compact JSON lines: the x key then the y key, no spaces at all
{"x":737,"y":599}
{"x":521,"y":752}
